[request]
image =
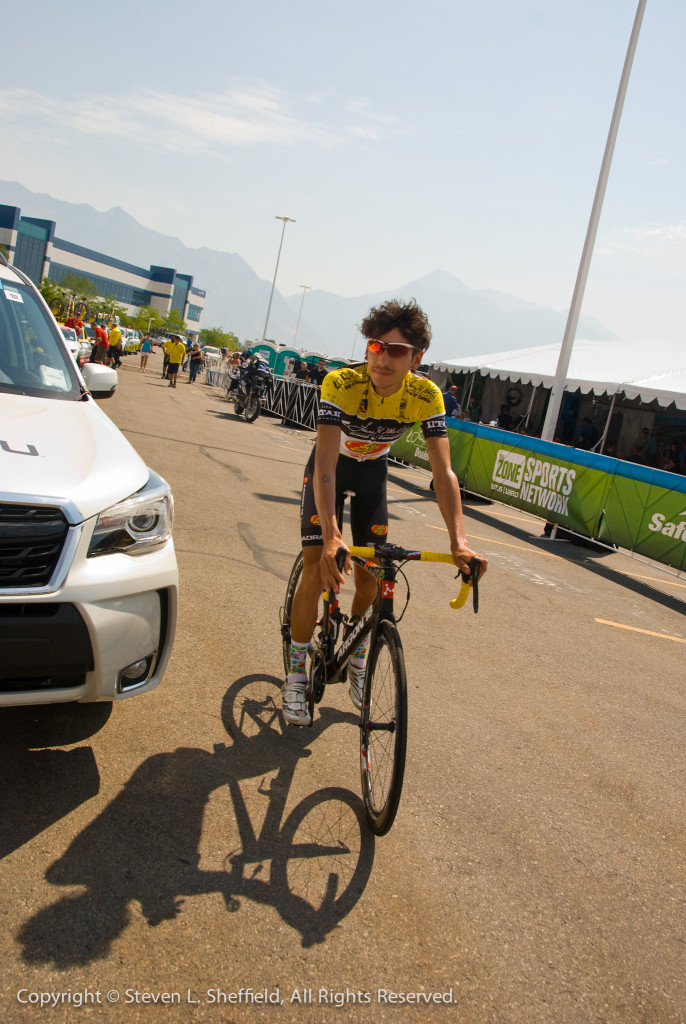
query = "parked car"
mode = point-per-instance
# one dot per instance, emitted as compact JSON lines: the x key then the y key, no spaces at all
{"x":210,"y":352}
{"x":73,"y":343}
{"x":88,"y":574}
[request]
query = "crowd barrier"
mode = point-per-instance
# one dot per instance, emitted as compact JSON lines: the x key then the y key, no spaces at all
{"x":292,"y":400}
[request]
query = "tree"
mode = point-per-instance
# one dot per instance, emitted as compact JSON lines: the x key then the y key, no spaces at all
{"x":80,"y":287}
{"x":147,"y":318}
{"x":217,"y":337}
{"x":49,"y":290}
{"x":173,"y":322}
{"x":108,"y":309}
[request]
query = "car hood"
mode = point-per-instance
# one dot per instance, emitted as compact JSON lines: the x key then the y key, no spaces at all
{"x":65,"y":451}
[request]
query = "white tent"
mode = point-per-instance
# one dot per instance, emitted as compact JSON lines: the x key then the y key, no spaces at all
{"x":651,"y":371}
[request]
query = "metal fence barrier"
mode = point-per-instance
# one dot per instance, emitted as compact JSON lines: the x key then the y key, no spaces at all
{"x":292,"y":400}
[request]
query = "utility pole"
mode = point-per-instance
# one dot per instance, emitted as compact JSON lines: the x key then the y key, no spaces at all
{"x":286,"y":220}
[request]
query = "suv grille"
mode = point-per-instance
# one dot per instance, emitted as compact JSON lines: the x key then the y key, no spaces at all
{"x":31,"y":540}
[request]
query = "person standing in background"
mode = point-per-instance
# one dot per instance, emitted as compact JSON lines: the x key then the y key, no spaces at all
{"x":146,"y":349}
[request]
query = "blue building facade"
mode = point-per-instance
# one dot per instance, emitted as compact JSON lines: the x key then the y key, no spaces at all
{"x":34,"y":248}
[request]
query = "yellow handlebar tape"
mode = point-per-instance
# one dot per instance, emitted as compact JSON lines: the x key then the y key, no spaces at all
{"x":461,"y":599}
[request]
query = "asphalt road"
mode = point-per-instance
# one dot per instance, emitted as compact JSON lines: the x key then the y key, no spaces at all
{"x":184,"y":846}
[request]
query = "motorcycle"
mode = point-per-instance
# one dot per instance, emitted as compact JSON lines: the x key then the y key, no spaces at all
{"x":249,"y":389}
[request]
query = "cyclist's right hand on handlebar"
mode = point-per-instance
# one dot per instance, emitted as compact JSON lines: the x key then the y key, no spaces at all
{"x":332,"y":575}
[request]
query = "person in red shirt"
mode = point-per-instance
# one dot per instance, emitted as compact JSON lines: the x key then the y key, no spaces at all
{"x":101,"y":344}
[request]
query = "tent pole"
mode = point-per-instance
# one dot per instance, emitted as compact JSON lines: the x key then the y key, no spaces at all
{"x":558,"y":387}
{"x":465,"y":405}
{"x":601,"y":446}
{"x":531,"y":404}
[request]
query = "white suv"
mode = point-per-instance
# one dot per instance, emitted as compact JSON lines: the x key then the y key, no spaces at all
{"x":88,"y":574}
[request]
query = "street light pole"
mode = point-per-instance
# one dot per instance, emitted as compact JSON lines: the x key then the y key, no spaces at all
{"x":286,"y":220}
{"x":306,"y":288}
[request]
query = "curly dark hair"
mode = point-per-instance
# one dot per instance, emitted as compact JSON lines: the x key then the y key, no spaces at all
{"x":408,"y":317}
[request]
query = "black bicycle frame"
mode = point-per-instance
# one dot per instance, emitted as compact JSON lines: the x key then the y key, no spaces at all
{"x":381,"y":609}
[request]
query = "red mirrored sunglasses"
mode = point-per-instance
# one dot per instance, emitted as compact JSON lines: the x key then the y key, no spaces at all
{"x":395,"y":350}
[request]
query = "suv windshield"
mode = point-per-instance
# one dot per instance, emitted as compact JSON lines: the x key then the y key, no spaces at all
{"x":32,"y":360}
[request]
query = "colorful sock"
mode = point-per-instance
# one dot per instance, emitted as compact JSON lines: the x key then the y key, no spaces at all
{"x":298,"y":658}
{"x":359,"y":657}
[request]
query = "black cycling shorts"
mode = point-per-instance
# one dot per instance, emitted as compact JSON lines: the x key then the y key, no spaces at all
{"x":368,"y":508}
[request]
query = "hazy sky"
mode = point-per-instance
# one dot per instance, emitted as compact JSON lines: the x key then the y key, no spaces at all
{"x":462,"y":135}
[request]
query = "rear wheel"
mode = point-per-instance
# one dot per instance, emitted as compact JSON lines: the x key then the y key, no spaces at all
{"x":383,"y":730}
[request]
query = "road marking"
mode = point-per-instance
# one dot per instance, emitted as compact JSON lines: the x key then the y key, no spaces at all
{"x":647,"y":632}
{"x":502,"y":543}
{"x":652,"y":579}
{"x":504,"y":515}
{"x":551,"y":554}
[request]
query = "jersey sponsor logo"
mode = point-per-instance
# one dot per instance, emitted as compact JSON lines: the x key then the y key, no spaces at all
{"x":316,"y":521}
{"x":365,"y":448}
{"x":379,"y":529}
{"x":435,"y":426}
{"x":312,"y":536}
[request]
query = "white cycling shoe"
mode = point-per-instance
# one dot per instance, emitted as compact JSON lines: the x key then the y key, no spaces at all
{"x":294,"y":702}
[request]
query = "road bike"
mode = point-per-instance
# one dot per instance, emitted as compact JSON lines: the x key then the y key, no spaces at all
{"x":383,"y":716}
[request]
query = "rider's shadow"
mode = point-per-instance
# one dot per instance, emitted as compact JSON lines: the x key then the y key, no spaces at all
{"x":144,"y":845}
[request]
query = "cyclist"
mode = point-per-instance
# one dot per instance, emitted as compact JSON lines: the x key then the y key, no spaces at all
{"x":363,"y":409}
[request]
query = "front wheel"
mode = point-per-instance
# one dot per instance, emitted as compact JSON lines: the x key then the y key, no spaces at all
{"x":287,"y":610}
{"x":383,"y":730}
{"x":252,"y":407}
{"x":238,"y":406}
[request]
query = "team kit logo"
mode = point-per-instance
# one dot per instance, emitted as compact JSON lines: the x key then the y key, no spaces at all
{"x":379,"y":529}
{"x":315,"y":520}
{"x":536,"y":481}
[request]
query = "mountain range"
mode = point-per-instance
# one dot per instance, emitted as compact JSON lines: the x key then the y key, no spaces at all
{"x":465,"y":321}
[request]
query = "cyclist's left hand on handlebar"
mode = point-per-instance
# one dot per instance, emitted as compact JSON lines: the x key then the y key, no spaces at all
{"x":463,"y":556}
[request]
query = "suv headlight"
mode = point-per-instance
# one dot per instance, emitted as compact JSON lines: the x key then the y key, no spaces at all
{"x":136,"y":525}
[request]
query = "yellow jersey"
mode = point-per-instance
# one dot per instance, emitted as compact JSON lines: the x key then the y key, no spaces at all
{"x":371,"y":423}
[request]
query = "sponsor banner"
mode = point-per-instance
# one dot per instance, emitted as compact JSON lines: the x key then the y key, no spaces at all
{"x":646,"y":512}
{"x":543,"y":479}
{"x":411,"y":447}
{"x":637,"y":508}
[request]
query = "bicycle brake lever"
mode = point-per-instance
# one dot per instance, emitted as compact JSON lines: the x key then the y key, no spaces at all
{"x":470,"y":581}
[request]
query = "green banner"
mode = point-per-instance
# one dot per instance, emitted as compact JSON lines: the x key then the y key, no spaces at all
{"x":605,"y":499}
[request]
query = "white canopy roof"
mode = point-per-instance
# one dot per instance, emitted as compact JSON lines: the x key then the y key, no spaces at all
{"x":646,"y":370}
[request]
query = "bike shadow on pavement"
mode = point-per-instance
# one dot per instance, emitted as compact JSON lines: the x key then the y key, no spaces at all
{"x":41,"y":785}
{"x":311,"y":864}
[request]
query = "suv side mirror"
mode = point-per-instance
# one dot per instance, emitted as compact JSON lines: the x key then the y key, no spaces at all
{"x":101,"y":381}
